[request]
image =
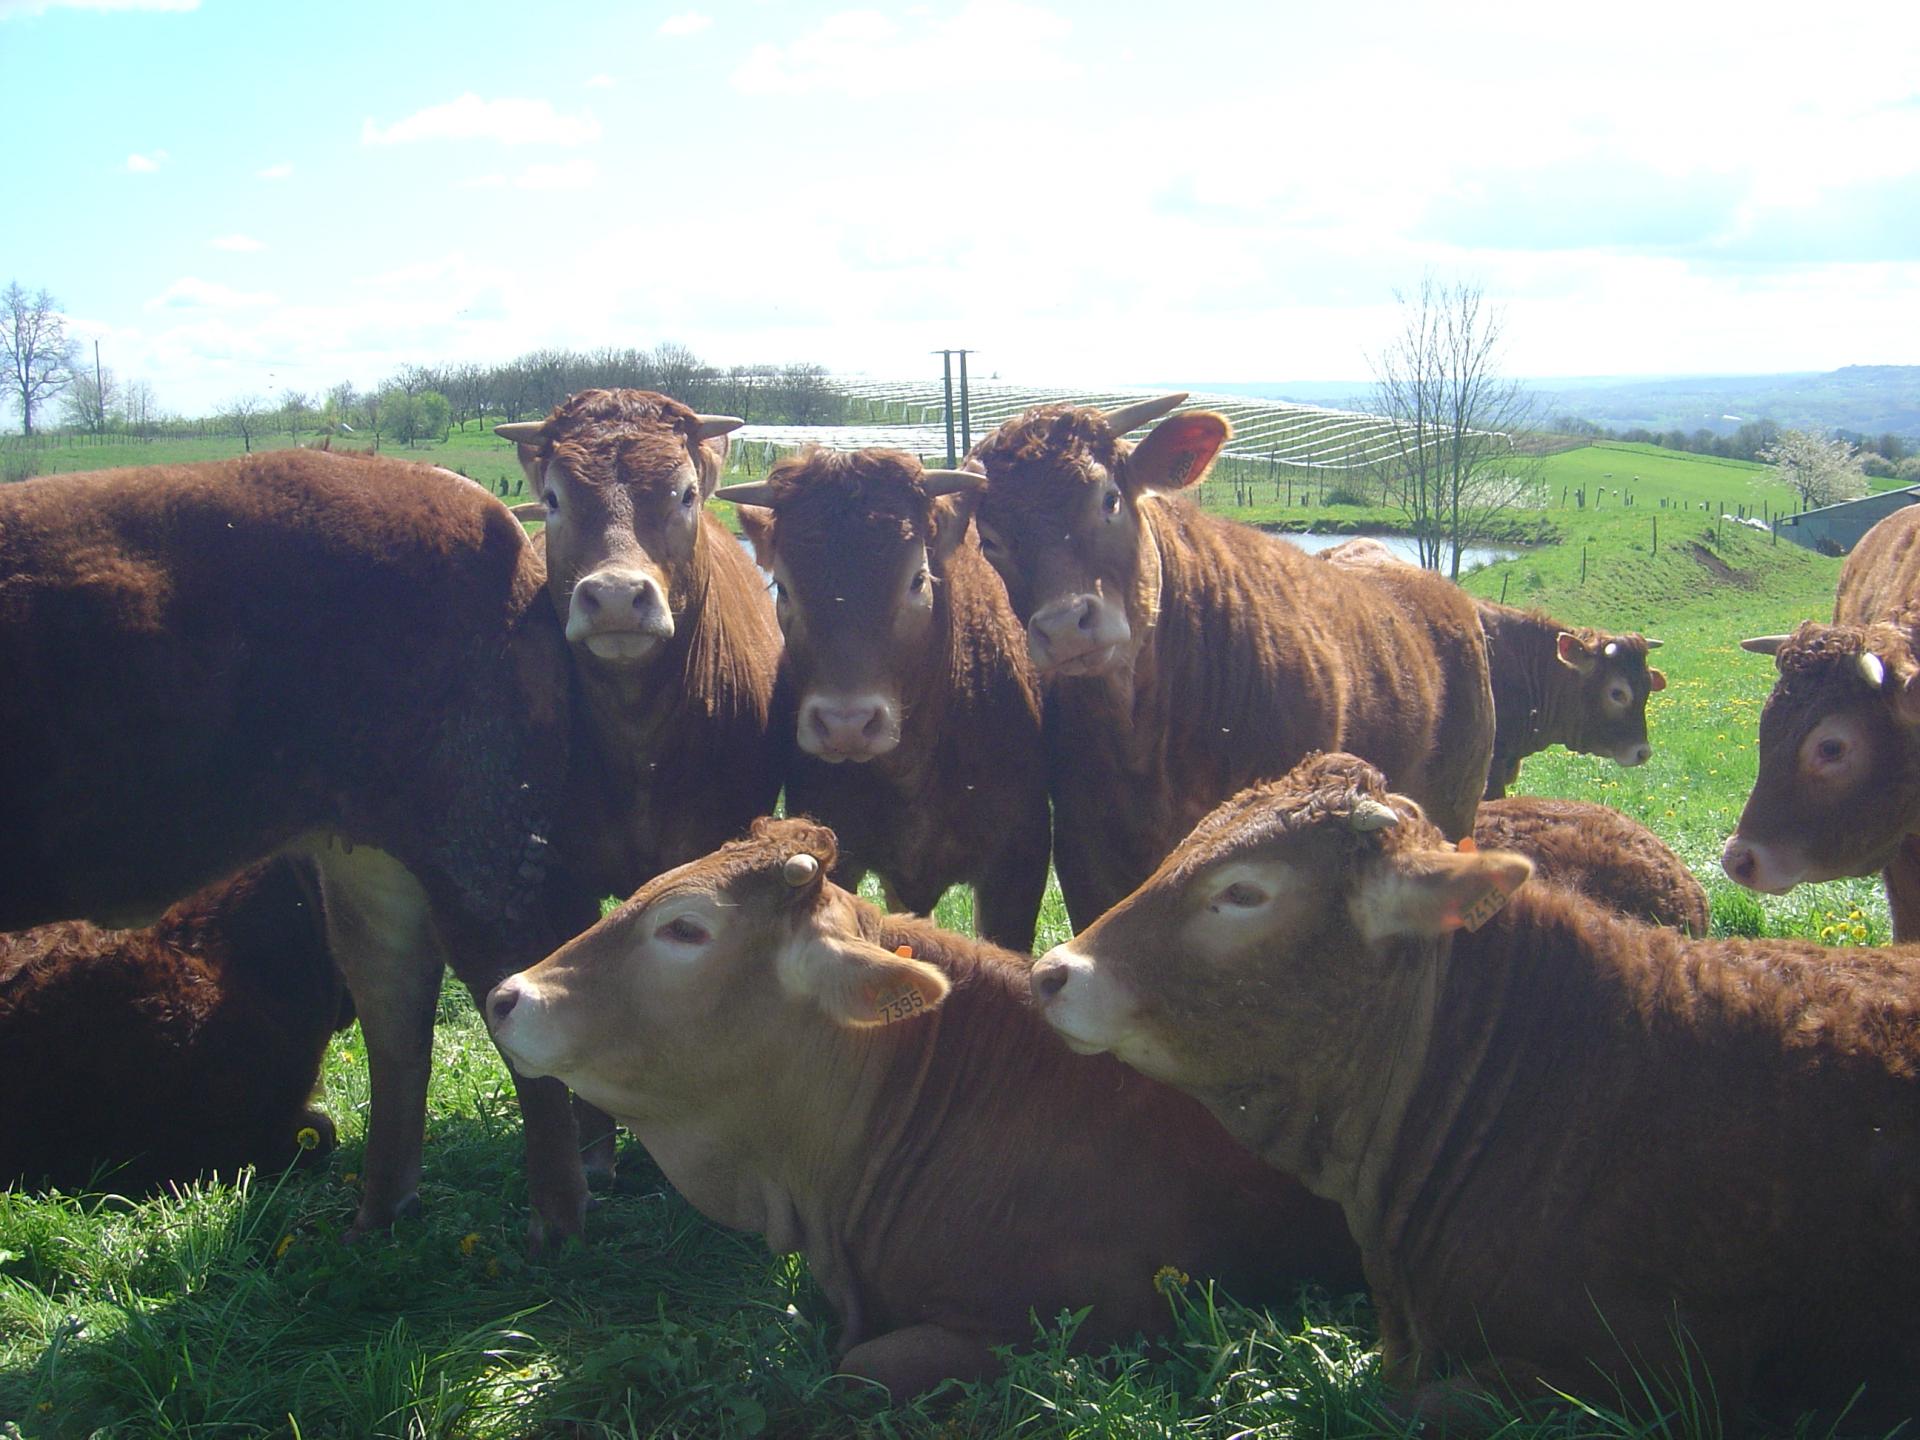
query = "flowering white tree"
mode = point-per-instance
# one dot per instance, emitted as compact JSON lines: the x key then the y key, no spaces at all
{"x":1821,"y":471}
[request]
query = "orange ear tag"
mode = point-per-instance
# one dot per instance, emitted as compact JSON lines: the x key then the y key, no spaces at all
{"x":905,"y":952}
{"x":1466,"y":845}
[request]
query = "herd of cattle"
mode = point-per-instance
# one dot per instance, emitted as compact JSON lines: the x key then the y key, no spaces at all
{"x":1315,"y":1025}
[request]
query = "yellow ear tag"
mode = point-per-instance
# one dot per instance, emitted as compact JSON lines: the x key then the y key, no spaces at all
{"x":896,"y":1006}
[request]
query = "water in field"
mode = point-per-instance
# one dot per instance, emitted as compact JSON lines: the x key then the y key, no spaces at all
{"x":1403,"y":546}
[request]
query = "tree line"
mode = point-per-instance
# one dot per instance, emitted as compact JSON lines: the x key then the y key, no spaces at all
{"x":1881,"y":456}
{"x":42,"y":365}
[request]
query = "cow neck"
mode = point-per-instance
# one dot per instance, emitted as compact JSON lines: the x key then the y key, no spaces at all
{"x":1531,"y":709}
{"x":632,"y":708}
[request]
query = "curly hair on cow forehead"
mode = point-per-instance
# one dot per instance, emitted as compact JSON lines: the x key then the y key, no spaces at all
{"x":1050,"y":431}
{"x":606,"y":437}
{"x":1813,"y":649}
{"x":819,"y":494}
{"x":1323,"y":791}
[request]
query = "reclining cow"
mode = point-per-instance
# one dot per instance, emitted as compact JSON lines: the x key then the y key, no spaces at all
{"x":1602,"y":854}
{"x":879,"y":1095}
{"x":1186,"y":656}
{"x":133,"y":1057}
{"x":1579,"y":1155}
{"x":918,"y":735}
{"x":1838,"y":790}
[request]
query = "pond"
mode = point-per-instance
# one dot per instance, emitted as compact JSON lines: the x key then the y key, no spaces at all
{"x":1401,"y":545}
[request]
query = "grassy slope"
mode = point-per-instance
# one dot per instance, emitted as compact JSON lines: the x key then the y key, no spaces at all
{"x":235,"y":1312}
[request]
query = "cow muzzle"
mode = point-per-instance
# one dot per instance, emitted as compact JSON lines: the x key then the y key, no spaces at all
{"x":849,"y":727}
{"x":1064,"y":987}
{"x":1079,"y":635}
{"x":1761,"y":867}
{"x":1637,"y":753}
{"x":619,"y":615}
{"x":523,"y":1026}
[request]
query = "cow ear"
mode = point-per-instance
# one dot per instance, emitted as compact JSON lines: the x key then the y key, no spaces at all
{"x":858,"y":984}
{"x":1433,"y":892}
{"x":1574,"y":652}
{"x":1177,"y":451}
{"x":717,"y":446}
{"x":1655,"y":680}
{"x":756,"y":523}
{"x":1906,"y":699}
{"x":952,"y":514}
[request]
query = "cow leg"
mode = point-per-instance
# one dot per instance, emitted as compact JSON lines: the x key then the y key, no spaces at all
{"x":912,"y":1361}
{"x":1006,"y":902}
{"x":596,"y":1129}
{"x":381,"y":931}
{"x":1902,"y":879}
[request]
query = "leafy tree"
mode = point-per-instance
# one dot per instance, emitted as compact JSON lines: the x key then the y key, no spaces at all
{"x":1821,"y":471}
{"x":35,"y":350}
{"x":1453,"y":466}
{"x":296,"y":411}
{"x":246,"y":416}
{"x":435,"y":414}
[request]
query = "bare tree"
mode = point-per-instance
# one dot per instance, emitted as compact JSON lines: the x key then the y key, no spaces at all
{"x":1452,"y":466}
{"x":247,"y":416}
{"x":34,"y":348}
{"x":138,"y":407}
{"x":1821,"y":471}
{"x":295,"y":411}
{"x":91,"y":400}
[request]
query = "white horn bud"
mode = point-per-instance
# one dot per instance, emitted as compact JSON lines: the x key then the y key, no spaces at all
{"x":1369,"y":814}
{"x":1610,"y":649}
{"x":799,"y":870}
{"x":1873,"y":670}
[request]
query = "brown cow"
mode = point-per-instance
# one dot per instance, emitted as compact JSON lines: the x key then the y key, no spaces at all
{"x":1600,"y":853}
{"x":1560,"y":1138}
{"x":1838,"y":791}
{"x":1186,"y":656}
{"x":1552,"y":684}
{"x":133,"y":1057}
{"x":879,"y":1095}
{"x":211,"y":663}
{"x":905,"y":659}
{"x":1557,"y":684}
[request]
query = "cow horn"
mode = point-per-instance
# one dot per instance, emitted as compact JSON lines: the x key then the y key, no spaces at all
{"x":528,"y":510}
{"x":1132,"y":417}
{"x":1653,"y":644}
{"x":1873,"y":669}
{"x":705,"y":427}
{"x":950,"y":482}
{"x":522,"y":432}
{"x":1765,"y":644}
{"x":1369,"y":814}
{"x":799,"y":869}
{"x":747,"y":492}
{"x":1610,"y":649}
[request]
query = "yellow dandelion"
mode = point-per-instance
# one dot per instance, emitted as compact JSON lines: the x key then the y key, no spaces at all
{"x":493,"y":1269}
{"x":307,"y":1138}
{"x":286,"y":1244}
{"x":1826,"y":932}
{"x":1859,"y":932}
{"x":470,"y":1242}
{"x":45,"y":1407}
{"x":1169,"y":1278}
{"x":352,"y":1177}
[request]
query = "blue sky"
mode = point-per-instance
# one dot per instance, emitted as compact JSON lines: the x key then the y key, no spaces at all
{"x":242,"y":197}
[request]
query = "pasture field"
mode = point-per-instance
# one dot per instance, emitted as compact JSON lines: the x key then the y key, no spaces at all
{"x":231,"y":1310}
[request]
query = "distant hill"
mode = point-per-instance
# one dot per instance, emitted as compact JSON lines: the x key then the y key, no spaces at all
{"x":1868,"y":399}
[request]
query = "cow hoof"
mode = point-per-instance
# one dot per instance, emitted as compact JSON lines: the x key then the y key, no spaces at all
{"x":371,"y":1223}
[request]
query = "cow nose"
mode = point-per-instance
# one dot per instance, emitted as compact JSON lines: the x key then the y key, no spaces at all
{"x":1641,"y":753}
{"x":1049,"y":977}
{"x":1739,"y":861}
{"x":500,"y":1003}
{"x":613,"y":595}
{"x":849,"y":729}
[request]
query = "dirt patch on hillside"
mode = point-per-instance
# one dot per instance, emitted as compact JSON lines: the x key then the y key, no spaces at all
{"x":1719,"y":568}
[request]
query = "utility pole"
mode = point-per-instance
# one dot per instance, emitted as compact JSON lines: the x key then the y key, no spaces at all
{"x":99,"y":395}
{"x":966,"y":417}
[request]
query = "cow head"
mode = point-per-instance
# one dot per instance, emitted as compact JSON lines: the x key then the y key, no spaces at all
{"x":1839,"y":779}
{"x":623,"y":475}
{"x":1614,"y":681}
{"x":1063,"y":521}
{"x":1275,"y":935}
{"x":708,"y":976}
{"x":858,"y":546}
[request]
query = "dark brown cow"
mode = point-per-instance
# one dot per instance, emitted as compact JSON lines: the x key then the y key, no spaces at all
{"x":1186,"y":656}
{"x":1600,"y":853}
{"x":904,"y":658}
{"x":879,"y":1095}
{"x":1838,"y":791}
{"x":133,"y":1057}
{"x":210,"y":663}
{"x":1557,"y":684}
{"x":1561,"y":1139}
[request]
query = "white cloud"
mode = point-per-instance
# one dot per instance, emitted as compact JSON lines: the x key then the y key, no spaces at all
{"x":511,"y":122}
{"x":691,"y":23}
{"x":240,"y":244}
{"x":146,"y":164}
{"x":864,"y":53}
{"x":280,"y":171}
{"x":191,"y":292}
{"x":575,"y":174}
{"x":22,"y":9}
{"x":601,"y":81}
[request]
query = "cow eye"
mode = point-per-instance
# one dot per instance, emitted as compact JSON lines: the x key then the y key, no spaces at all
{"x":1620,"y":695}
{"x":1241,"y":896}
{"x":919,"y":583}
{"x":1829,"y":750}
{"x":683,"y":931}
{"x":1110,"y":504}
{"x":552,"y":501}
{"x":687,"y":496}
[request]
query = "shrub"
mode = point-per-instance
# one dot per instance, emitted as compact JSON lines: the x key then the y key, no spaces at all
{"x":1341,"y":495}
{"x":18,"y":465}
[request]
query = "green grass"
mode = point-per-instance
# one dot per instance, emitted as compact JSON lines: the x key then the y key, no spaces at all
{"x":233,"y":1310}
